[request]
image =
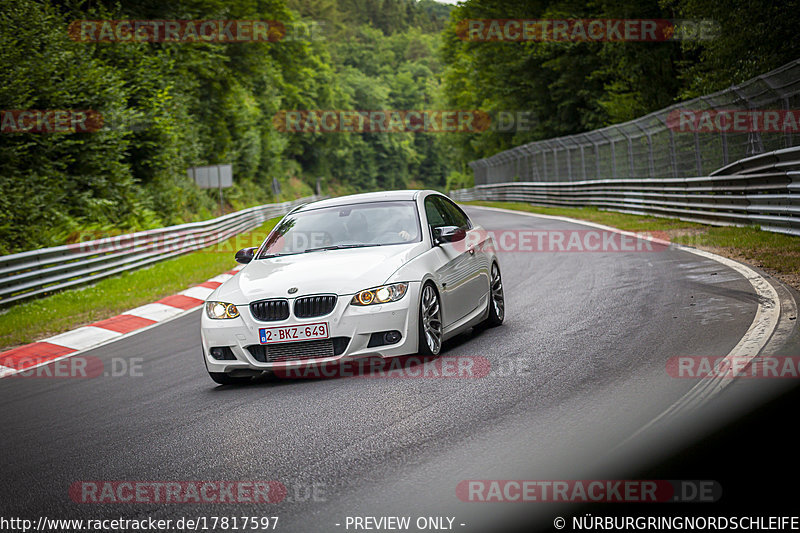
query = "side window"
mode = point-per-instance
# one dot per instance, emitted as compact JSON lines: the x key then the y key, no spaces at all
{"x":434,"y":212}
{"x":453,"y":215}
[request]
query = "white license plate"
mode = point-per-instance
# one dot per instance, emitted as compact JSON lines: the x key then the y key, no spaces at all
{"x":302,"y":332}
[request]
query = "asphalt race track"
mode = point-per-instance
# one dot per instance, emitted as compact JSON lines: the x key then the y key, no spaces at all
{"x":578,"y":367}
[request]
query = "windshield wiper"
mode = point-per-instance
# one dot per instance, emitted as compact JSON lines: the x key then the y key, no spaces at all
{"x":339,"y":247}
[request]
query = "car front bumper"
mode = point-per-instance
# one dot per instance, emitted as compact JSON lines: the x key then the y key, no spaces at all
{"x":346,"y":321}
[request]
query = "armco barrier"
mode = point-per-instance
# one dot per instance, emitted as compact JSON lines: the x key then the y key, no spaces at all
{"x":763,"y":190}
{"x":28,"y":274}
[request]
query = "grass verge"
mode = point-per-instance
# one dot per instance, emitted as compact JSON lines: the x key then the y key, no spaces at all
{"x":776,"y":253}
{"x":30,"y":321}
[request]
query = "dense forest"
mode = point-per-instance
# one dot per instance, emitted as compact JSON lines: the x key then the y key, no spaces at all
{"x":167,"y":106}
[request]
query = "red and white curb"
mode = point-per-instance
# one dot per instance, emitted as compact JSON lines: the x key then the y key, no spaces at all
{"x":128,"y":323}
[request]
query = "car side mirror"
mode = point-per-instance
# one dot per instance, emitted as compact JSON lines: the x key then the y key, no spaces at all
{"x":245,"y":255}
{"x":444,"y":234}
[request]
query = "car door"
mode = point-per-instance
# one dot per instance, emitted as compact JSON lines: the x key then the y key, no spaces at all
{"x":476,"y":266}
{"x":455,"y":264}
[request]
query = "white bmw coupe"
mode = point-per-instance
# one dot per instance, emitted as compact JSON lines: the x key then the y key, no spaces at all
{"x":377,"y":274}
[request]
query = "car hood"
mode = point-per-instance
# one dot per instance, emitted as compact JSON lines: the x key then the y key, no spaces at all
{"x":329,"y":271}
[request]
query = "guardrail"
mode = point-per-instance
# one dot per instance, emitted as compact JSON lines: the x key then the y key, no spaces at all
{"x":763,"y":190}
{"x":37,"y":272}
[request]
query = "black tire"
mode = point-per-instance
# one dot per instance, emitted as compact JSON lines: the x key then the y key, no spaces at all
{"x":430,"y":322}
{"x":497,"y":301}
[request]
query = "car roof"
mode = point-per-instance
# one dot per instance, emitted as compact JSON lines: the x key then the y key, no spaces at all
{"x":382,"y":196}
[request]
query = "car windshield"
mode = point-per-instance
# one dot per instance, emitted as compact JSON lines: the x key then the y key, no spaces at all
{"x":345,"y":226}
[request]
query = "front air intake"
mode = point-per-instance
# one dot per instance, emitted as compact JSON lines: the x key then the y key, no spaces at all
{"x":313,"y":306}
{"x":270,"y":310}
{"x":298,"y":351}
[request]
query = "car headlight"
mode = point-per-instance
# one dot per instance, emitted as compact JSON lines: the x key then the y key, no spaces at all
{"x":221,"y":310}
{"x":380,"y":295}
